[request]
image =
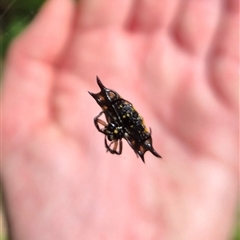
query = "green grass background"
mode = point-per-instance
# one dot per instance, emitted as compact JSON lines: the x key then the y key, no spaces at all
{"x":15,"y":15}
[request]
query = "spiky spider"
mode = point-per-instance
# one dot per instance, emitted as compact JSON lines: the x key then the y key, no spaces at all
{"x":122,"y":121}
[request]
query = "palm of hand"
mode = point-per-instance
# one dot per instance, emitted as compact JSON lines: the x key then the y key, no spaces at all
{"x":59,"y":159}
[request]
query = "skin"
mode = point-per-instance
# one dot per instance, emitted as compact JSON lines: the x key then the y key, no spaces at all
{"x":177,"y":62}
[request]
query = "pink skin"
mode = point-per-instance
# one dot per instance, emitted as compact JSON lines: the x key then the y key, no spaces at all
{"x":177,"y":62}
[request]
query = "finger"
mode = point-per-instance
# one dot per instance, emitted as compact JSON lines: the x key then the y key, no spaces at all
{"x":196,"y":24}
{"x":98,"y":13}
{"x":30,"y":67}
{"x":149,"y":15}
{"x":45,"y":37}
{"x":225,"y":56}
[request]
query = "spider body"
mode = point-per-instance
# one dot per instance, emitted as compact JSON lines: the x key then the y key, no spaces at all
{"x":123,"y":121}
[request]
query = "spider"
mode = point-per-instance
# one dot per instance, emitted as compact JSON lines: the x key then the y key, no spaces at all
{"x":122,"y":121}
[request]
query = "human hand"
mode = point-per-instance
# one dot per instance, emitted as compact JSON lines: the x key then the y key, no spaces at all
{"x":177,"y":62}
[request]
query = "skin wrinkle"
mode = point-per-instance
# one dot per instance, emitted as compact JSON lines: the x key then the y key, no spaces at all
{"x":219,"y":91}
{"x":165,"y":121}
{"x":216,"y":55}
{"x":184,"y":28}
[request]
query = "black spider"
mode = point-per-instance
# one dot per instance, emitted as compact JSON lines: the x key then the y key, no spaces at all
{"x":123,"y":121}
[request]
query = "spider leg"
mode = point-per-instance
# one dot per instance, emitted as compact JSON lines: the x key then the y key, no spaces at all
{"x":115,"y":146}
{"x":98,"y":121}
{"x":108,"y":145}
{"x":119,"y":148}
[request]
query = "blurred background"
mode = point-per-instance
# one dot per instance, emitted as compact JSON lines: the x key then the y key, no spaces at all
{"x":15,"y":15}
